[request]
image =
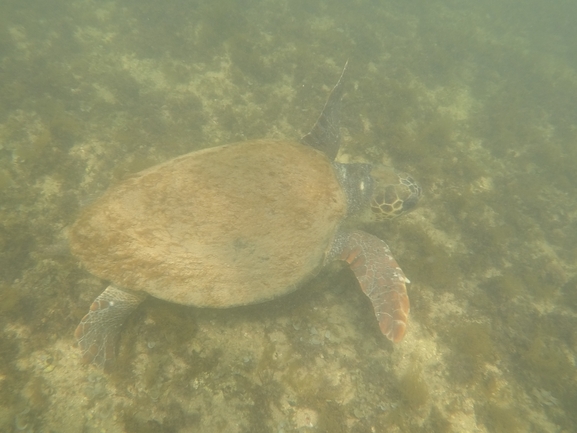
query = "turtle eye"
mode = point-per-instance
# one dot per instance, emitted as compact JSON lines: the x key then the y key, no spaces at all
{"x":410,"y":203}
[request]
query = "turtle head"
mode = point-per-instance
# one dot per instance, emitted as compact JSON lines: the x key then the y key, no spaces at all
{"x":387,"y":192}
{"x":393,"y":193}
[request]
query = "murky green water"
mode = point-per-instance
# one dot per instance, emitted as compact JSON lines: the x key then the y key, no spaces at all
{"x":477,"y":99}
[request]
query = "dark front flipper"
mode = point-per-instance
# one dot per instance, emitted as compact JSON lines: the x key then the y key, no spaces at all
{"x":98,"y":331}
{"x":380,"y":278}
{"x":325,"y":135}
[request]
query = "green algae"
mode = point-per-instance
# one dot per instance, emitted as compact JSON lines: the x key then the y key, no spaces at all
{"x":504,"y":288}
{"x":548,"y":362}
{"x":429,"y":260}
{"x":413,"y":388}
{"x":474,"y":340}
{"x":10,"y":297}
{"x":501,"y":419}
{"x":14,"y":378}
{"x":512,"y":96}
{"x":437,"y":423}
{"x":473,"y":347}
{"x":570,"y":293}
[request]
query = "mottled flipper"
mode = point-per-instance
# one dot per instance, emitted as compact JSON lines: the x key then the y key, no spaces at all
{"x":379,"y":276}
{"x":98,"y":331}
{"x":325,"y":135}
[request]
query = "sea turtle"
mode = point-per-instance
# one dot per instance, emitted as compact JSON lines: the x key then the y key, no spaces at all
{"x":240,"y":224}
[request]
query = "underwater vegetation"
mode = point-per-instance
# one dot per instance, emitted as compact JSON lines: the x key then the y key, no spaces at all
{"x":413,"y":388}
{"x":477,"y":102}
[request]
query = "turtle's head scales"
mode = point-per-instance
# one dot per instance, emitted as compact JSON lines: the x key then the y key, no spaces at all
{"x":394,"y":193}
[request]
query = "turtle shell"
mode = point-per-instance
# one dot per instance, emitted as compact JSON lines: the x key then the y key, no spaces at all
{"x":224,"y":226}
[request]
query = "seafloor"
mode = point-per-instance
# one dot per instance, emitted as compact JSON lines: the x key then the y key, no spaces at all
{"x":477,"y":99}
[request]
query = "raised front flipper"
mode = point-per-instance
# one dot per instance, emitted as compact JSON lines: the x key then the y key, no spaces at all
{"x":98,"y":331}
{"x":325,"y":135}
{"x":379,"y":276}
